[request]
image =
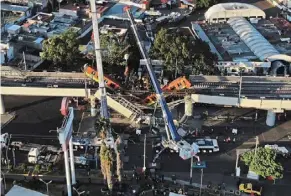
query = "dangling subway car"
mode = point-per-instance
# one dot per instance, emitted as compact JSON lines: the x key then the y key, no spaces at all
{"x":93,"y":74}
{"x":178,"y":84}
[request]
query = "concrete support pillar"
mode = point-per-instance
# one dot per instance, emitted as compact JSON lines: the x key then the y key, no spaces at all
{"x":67,"y":167}
{"x":271,"y":118}
{"x":2,"y":107}
{"x":188,"y":105}
{"x":93,"y":106}
{"x":72,"y":162}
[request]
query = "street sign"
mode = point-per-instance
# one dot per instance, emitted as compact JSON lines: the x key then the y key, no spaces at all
{"x":199,"y":165}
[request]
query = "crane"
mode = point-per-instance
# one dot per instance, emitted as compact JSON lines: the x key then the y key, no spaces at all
{"x":173,"y":140}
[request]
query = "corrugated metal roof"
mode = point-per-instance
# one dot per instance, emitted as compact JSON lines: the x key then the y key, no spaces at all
{"x":252,"y":38}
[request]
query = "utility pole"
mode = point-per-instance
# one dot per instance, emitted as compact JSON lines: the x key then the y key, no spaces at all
{"x":191,"y":170}
{"x":13,"y":154}
{"x":102,"y":89}
{"x":24,"y":61}
{"x":239,"y":92}
{"x":201,"y":181}
{"x":144,"y":152}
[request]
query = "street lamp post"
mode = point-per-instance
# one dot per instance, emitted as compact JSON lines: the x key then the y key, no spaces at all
{"x":191,"y":170}
{"x":201,"y":181}
{"x":239,"y":92}
{"x":4,"y":180}
{"x":79,"y":193}
{"x":13,"y":155}
{"x":46,"y":183}
{"x":144,"y":152}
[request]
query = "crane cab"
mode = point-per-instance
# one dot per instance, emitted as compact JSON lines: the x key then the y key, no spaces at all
{"x":185,"y":149}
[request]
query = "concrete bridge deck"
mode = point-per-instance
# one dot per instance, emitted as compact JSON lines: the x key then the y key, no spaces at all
{"x":265,"y":104}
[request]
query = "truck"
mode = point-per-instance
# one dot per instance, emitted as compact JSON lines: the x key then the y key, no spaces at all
{"x":41,"y":156}
{"x":83,"y":143}
{"x":207,"y":145}
{"x":249,"y":188}
{"x":18,"y":145}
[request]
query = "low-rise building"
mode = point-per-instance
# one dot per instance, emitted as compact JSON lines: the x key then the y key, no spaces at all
{"x":13,"y":14}
{"x":38,"y":24}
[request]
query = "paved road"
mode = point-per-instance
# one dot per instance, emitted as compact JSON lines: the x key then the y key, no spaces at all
{"x":35,"y":115}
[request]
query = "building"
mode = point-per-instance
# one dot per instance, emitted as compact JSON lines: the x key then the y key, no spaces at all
{"x":13,"y":14}
{"x":28,"y":2}
{"x":38,"y":24}
{"x":245,"y":68}
{"x":224,"y":11}
{"x":246,"y":42}
{"x":62,"y":23}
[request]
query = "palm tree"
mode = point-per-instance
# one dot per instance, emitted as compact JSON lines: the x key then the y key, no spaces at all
{"x":107,"y":159}
{"x":101,"y":126}
{"x":119,"y":155}
{"x":109,"y":166}
{"x":103,"y":150}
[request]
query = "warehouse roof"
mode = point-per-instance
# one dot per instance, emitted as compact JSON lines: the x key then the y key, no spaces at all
{"x":255,"y":41}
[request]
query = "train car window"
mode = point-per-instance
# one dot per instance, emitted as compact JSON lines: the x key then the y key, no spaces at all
{"x":172,"y":88}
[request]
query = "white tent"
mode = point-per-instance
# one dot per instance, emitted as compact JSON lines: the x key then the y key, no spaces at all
{"x":21,"y":191}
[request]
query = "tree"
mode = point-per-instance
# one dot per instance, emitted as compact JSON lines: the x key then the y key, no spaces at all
{"x":101,"y":127}
{"x":119,"y":156}
{"x":23,"y":167}
{"x":61,"y":49}
{"x":107,"y":159}
{"x":179,"y":51}
{"x":113,"y":49}
{"x":36,"y":169}
{"x":264,"y":163}
{"x":102,"y":160}
{"x":205,"y":3}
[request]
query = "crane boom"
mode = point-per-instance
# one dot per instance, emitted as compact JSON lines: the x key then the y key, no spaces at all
{"x":167,"y":116}
{"x":102,"y":88}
